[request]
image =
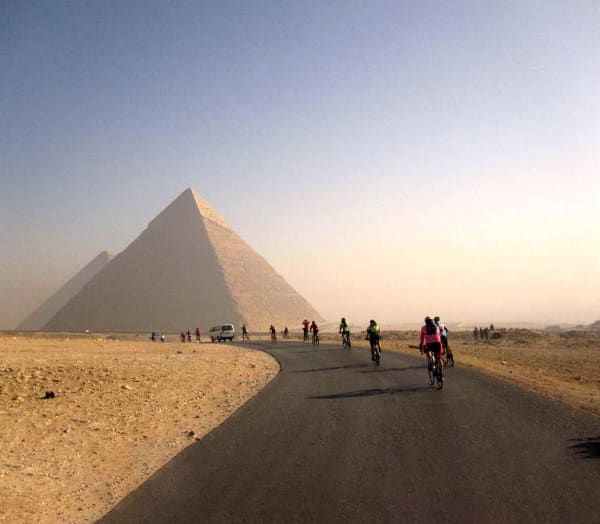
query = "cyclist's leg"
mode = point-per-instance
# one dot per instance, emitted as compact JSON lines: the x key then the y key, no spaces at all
{"x":438,"y":357}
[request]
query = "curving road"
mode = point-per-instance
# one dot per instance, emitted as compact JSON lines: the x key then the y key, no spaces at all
{"x":335,"y":439}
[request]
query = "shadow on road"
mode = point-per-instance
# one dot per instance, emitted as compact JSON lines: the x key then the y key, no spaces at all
{"x":314,"y":350}
{"x":374,"y":392}
{"x":586,"y":447}
{"x":349,"y":366}
{"x":387,"y":370}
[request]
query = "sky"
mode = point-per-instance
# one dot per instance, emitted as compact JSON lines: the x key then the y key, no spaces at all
{"x":389,"y":159}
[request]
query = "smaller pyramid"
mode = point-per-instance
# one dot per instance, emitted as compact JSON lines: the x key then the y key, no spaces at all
{"x":42,"y":315}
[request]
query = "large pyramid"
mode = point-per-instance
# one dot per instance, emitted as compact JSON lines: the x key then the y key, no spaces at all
{"x":188,"y":268}
{"x":52,"y":305}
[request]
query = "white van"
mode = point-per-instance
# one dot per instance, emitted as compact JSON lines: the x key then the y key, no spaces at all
{"x":222,"y":332}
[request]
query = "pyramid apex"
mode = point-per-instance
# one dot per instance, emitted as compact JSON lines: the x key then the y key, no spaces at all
{"x":206,"y":210}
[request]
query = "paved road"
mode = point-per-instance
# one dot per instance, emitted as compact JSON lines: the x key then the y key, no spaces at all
{"x":335,"y":439}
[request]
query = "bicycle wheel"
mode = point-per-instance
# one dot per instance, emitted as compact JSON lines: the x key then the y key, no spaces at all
{"x":431,"y":371}
{"x":450,"y":357}
{"x":377,"y":354}
{"x":348,"y":344}
{"x":439,"y":374}
{"x":317,"y":340}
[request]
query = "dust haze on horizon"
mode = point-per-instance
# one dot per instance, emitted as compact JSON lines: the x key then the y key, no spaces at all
{"x":389,"y":161}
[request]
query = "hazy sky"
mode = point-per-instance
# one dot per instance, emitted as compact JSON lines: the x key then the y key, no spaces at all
{"x":389,"y":159}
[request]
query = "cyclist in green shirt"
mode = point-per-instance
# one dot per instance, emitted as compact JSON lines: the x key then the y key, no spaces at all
{"x":373,"y":334}
{"x":345,"y":331}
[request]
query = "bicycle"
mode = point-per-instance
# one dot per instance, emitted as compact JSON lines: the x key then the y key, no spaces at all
{"x":273,"y":338}
{"x":448,"y":357}
{"x":435,"y":371}
{"x":315,"y":338}
{"x":346,"y":343}
{"x":306,"y":335}
{"x":376,"y":351}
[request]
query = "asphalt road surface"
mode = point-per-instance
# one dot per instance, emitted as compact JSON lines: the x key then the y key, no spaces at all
{"x":336,"y":439}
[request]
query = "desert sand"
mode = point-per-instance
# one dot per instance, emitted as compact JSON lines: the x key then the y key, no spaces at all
{"x":122,"y":409}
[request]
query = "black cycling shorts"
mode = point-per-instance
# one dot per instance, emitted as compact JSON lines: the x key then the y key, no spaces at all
{"x":435,"y":348}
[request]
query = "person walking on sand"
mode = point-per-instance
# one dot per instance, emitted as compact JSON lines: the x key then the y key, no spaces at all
{"x":198,"y":336}
{"x":182,"y":336}
{"x":245,"y":333}
{"x":189,"y":336}
{"x":475,"y":333}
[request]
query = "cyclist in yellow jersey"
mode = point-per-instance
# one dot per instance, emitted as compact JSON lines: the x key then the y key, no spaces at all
{"x":345,"y":331}
{"x":373,"y":335}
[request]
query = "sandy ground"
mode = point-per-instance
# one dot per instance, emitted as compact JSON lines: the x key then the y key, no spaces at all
{"x":122,"y":409}
{"x":564,"y":366}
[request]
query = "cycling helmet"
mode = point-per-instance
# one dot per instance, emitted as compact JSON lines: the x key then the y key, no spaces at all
{"x":437,"y":319}
{"x":343,"y":319}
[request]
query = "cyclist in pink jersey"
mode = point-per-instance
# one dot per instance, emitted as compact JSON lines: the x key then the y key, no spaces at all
{"x":431,"y":339}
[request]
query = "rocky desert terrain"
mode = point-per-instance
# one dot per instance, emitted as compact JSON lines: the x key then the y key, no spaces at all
{"x":120,"y":410}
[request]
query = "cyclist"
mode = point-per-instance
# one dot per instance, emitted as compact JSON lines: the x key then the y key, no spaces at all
{"x":315,"y":330}
{"x":431,"y":340}
{"x":373,"y":336}
{"x":305,"y":325}
{"x":443,"y":331}
{"x":345,"y":330}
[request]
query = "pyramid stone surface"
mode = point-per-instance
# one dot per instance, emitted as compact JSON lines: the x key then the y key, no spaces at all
{"x":38,"y":318}
{"x":187,"y":269}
